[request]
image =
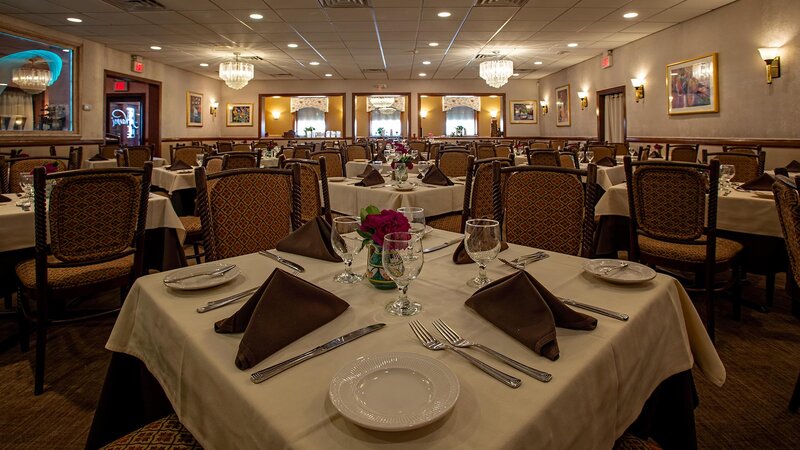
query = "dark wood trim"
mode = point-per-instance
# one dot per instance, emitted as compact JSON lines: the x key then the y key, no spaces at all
{"x":501,"y":111}
{"x":262,"y":118}
{"x":246,"y":138}
{"x":153,"y":110}
{"x":365,"y":94}
{"x":601,"y":112}
{"x":49,"y":142}
{"x":764,"y":142}
{"x":111,"y":73}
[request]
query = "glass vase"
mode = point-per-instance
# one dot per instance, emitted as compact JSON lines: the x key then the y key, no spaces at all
{"x":376,"y":274}
{"x":400,"y":173}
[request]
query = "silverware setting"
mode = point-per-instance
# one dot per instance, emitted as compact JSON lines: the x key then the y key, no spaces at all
{"x":596,"y":309}
{"x":443,"y":245}
{"x":428,"y":341}
{"x":457,"y":341}
{"x":214,"y":273}
{"x":282,"y":260}
{"x":520,"y":262}
{"x":214,"y":304}
{"x":608,"y":270}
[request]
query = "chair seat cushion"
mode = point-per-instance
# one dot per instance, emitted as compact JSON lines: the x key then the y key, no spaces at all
{"x":191,"y":224}
{"x":631,"y":442}
{"x":726,"y":250}
{"x":68,"y":277}
{"x":166,"y":433}
{"x":449,"y":222}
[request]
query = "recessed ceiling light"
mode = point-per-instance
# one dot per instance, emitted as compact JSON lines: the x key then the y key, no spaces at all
{"x":74,"y":19}
{"x":444,"y":14}
{"x":292,"y":45}
{"x":314,"y":63}
{"x":538,"y":63}
{"x":65,"y":50}
{"x":572,"y":44}
{"x":203,"y":64}
{"x":427,"y":63}
{"x":155,"y":47}
{"x":423,"y":74}
{"x":514,"y":74}
{"x":630,"y":15}
{"x":328,"y":74}
{"x":256,"y":16}
{"x":433,"y":44}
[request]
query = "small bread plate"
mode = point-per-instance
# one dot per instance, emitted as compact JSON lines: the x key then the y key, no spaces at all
{"x":189,"y":279}
{"x":405,"y":187}
{"x":394,"y":391}
{"x":612,"y":270}
{"x":336,"y":179}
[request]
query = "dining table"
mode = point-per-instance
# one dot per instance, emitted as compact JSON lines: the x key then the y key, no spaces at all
{"x":600,"y":383}
{"x":355,"y":167}
{"x":347,"y":198}
{"x":111,"y":162}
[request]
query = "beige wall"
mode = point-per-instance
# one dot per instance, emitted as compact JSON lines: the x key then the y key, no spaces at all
{"x":284,"y":123}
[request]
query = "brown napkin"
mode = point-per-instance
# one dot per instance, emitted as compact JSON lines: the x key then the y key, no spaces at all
{"x":524,"y":309}
{"x":98,"y":157}
{"x":313,"y":239}
{"x":793,"y":166}
{"x":371,"y":179}
{"x":437,"y":177}
{"x":4,"y":199}
{"x":366,"y":171}
{"x":282,"y":310}
{"x":179,"y":165}
{"x":760,"y":183}
{"x":606,"y":162}
{"x":654,"y":154}
{"x":460,"y":256}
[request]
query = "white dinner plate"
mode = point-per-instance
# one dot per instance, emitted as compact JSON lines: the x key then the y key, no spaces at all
{"x":405,"y":188}
{"x":336,"y":179}
{"x":634,"y":273}
{"x":200,"y":281}
{"x":394,"y":391}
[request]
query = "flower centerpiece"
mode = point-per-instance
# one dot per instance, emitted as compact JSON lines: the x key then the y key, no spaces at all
{"x":375,"y":224}
{"x":657,"y":154}
{"x":402,"y":162}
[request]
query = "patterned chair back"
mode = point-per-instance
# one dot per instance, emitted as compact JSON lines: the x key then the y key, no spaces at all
{"x":502,"y":151}
{"x":241,"y":148}
{"x":433,"y":151}
{"x":213,"y":163}
{"x":479,"y":188}
{"x":333,"y":162}
{"x":186,"y":154}
{"x":602,"y":151}
{"x":135,"y":156}
{"x":539,"y":145}
{"x":247,"y":210}
{"x":18,"y":166}
{"x":453,"y":163}
{"x":542,"y":158}
{"x":683,"y":152}
{"x":419,"y":146}
{"x":312,"y":174}
{"x":621,"y":148}
{"x":357,"y":152}
{"x":568,"y":160}
{"x":484,"y":151}
{"x":746,"y":149}
{"x":558,"y":144}
{"x":75,"y":158}
{"x":786,"y":200}
{"x":747,"y":166}
{"x":558,"y":218}
{"x":241,"y":160}
{"x":305,"y":149}
{"x":295,"y":153}
{"x":224,"y":146}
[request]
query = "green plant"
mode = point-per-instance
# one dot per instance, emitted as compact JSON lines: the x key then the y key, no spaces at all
{"x":381,"y":131}
{"x":460,"y":130}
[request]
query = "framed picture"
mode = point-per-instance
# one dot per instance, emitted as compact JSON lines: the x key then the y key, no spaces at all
{"x":692,"y":86}
{"x":239,"y":115}
{"x":194,"y":109}
{"x":524,"y":111}
{"x":562,"y":106}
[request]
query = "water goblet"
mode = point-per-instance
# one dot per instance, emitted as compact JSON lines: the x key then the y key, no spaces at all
{"x":726,"y":174}
{"x":402,"y":259}
{"x":199,"y":159}
{"x":423,"y":167}
{"x":631,"y":151}
{"x":346,"y":243}
{"x":589,"y":155}
{"x":377,"y":165}
{"x":416,"y":218}
{"x":482,"y":243}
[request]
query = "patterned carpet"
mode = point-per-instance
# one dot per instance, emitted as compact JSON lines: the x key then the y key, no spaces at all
{"x":761,"y":354}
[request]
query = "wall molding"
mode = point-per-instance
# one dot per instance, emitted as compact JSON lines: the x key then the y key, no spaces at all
{"x":49,"y":142}
{"x":764,"y":142}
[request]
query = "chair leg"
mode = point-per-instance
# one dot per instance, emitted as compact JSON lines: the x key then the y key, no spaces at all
{"x":23,"y":324}
{"x":710,"y":306}
{"x":794,"y":403}
{"x":770,"y":287}
{"x":7,"y":300}
{"x":41,"y":344}
{"x":196,"y":247}
{"x":737,"y":294}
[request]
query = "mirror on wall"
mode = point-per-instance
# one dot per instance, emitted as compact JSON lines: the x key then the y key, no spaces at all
{"x":302,"y":116}
{"x":381,"y":115}
{"x":37,"y":85}
{"x":461,"y":115}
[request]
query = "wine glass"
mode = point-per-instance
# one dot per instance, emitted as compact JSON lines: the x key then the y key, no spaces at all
{"x":346,"y":243}
{"x":402,"y":260}
{"x":423,"y":167}
{"x":416,"y":217}
{"x":377,"y":165}
{"x":26,"y":184}
{"x":482,"y":242}
{"x":589,"y":155}
{"x":199,"y":159}
{"x":631,"y":151}
{"x":726,"y":174}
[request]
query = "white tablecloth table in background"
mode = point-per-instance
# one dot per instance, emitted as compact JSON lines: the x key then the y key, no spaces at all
{"x":172,"y":181}
{"x":104,"y":164}
{"x":349,"y":199}
{"x":269,"y":162}
{"x":353,"y":168}
{"x":600,"y":382}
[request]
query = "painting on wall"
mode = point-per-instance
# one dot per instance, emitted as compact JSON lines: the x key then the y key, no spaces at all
{"x":239,"y":115}
{"x":194,"y":109}
{"x":524,"y":111}
{"x":692,"y":86}
{"x":562,"y":106}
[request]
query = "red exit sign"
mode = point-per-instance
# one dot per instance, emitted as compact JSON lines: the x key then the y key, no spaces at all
{"x":137,"y":64}
{"x":120,"y":86}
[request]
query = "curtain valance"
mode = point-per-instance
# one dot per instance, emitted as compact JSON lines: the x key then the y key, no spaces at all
{"x":451,"y":101}
{"x":320,"y":103}
{"x":377,"y":102}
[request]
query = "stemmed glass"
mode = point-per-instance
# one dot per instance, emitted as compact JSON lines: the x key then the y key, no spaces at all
{"x":726,"y":174}
{"x":377,"y":165}
{"x":416,"y":217}
{"x":423,"y":167}
{"x":199,"y":159}
{"x":482,"y":242}
{"x":589,"y":155}
{"x":402,"y":260}
{"x":26,"y":184}
{"x":346,"y":243}
{"x":631,"y":151}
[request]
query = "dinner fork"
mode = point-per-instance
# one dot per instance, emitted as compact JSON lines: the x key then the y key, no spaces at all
{"x":431,"y":343}
{"x":457,"y":341}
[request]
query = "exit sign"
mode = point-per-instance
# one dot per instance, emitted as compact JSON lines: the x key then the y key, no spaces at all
{"x":120,"y":86}
{"x":137,"y":63}
{"x":606,"y":60}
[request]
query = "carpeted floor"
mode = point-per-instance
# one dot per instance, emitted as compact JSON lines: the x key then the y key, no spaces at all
{"x":761,"y":354}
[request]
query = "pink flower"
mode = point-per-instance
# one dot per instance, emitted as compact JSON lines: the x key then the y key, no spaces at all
{"x":379,"y":225}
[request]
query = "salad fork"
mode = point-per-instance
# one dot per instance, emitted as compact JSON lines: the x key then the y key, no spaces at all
{"x":431,"y":343}
{"x":457,"y":341}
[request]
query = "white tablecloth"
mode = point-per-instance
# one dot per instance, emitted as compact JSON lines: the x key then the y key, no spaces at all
{"x":743,"y":212}
{"x":436,"y":200}
{"x":600,"y":382}
{"x":172,"y":181}
{"x":353,"y":168}
{"x":269,"y":162}
{"x":17,"y":230}
{"x":89,"y":164}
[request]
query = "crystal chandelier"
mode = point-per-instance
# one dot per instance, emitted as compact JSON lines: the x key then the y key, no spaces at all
{"x":236,"y":74}
{"x":497,"y":71}
{"x":31,"y":79}
{"x":381,"y":102}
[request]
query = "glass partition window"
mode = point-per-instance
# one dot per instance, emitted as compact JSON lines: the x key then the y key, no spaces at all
{"x":385,"y":123}
{"x":310,"y":118}
{"x":461,"y":116}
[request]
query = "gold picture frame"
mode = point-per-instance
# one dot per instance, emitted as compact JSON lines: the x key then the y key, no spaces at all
{"x":563,"y":112}
{"x":693,"y":86}
{"x":194,"y":109}
{"x":523,"y":111}
{"x":239,"y":115}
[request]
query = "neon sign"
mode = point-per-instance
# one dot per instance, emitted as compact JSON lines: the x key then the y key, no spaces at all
{"x":126,"y":118}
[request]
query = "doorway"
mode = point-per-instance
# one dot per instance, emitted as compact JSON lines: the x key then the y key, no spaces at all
{"x":133,"y":110}
{"x":612,"y":124}
{"x":124,"y":119}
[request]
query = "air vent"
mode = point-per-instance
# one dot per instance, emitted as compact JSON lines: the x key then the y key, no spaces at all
{"x":137,"y":5}
{"x":485,"y":55}
{"x":514,"y":3}
{"x":281,"y":75}
{"x":522,"y":71}
{"x":374,"y":71}
{"x":345,"y":3}
{"x":251,"y":58}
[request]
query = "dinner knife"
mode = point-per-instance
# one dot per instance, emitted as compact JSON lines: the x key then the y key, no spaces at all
{"x":212,"y":273}
{"x":269,"y":372}
{"x":441,"y":246}
{"x":596,"y":309}
{"x":283,"y":261}
{"x":212,"y":305}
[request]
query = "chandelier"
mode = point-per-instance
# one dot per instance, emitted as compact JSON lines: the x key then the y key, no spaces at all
{"x":236,"y":74}
{"x":497,"y":71}
{"x":31,"y":79}
{"x":381,"y":102}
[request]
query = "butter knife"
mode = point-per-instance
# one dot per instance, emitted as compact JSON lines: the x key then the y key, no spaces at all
{"x":212,"y":305}
{"x":596,"y":309}
{"x":441,"y":246}
{"x":269,"y":372}
{"x":212,"y":273}
{"x":283,"y":261}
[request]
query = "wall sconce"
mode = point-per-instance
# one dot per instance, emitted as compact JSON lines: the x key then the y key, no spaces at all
{"x":770,"y":56}
{"x":423,"y":114}
{"x":213,"y":110}
{"x":638,"y":86}
{"x":493,"y":114}
{"x":543,"y":104}
{"x":276,"y":115}
{"x":584,"y":99}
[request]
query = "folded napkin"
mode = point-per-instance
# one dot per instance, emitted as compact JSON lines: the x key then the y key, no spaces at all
{"x":793,"y":166}
{"x":437,"y":177}
{"x":654,"y":154}
{"x":98,"y":157}
{"x":373,"y":178}
{"x":313,"y":239}
{"x":606,"y":162}
{"x":460,"y":256}
{"x":4,"y":199}
{"x":282,"y":310}
{"x":760,"y":183}
{"x":366,"y":171}
{"x":179,"y":165}
{"x":525,"y":310}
